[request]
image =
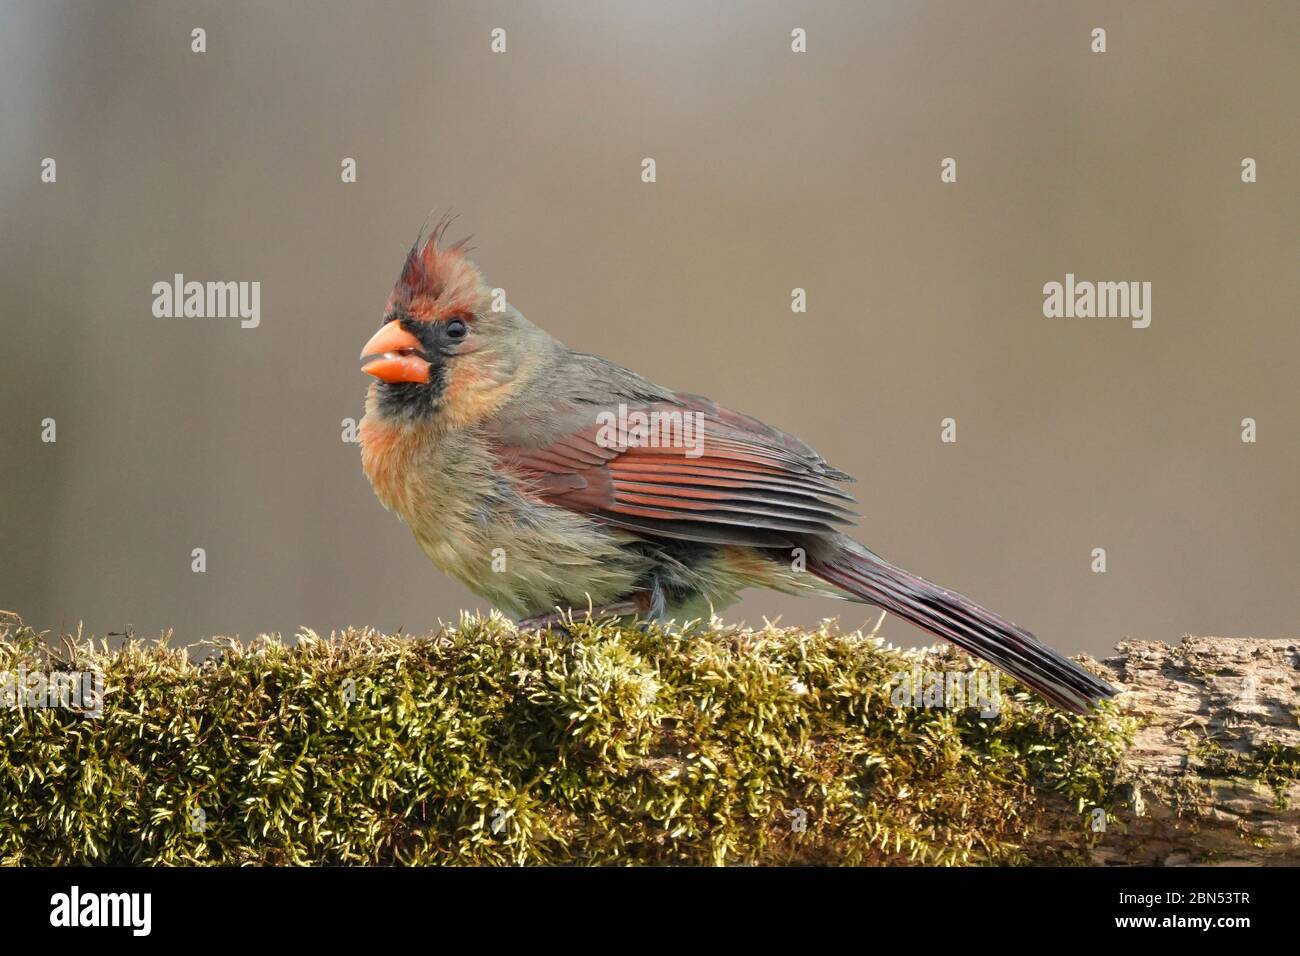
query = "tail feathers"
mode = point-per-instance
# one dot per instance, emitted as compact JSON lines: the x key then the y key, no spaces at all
{"x":974,"y":629}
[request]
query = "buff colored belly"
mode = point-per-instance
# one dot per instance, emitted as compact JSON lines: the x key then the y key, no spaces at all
{"x":524,"y":556}
{"x":530,"y":574}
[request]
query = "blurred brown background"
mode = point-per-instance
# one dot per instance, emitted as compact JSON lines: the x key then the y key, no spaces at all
{"x":775,"y":170}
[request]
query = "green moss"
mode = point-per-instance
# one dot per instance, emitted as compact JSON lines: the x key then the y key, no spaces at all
{"x":485,"y":745}
{"x":1274,"y":765}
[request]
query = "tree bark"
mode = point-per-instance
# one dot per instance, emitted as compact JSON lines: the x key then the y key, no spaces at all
{"x":1211,"y":777}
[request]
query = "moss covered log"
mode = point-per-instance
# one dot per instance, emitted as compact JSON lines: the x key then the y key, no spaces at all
{"x":605,"y":744}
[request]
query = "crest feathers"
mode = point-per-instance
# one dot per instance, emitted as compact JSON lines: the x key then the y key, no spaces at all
{"x":436,"y":278}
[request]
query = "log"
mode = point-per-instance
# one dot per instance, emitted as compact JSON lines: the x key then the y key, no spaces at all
{"x":485,"y":744}
{"x":1211,"y":776}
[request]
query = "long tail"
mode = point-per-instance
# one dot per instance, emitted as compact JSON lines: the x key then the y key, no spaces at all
{"x":963,"y":622}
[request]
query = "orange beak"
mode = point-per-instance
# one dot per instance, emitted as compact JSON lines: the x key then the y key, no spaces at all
{"x":395,"y":356}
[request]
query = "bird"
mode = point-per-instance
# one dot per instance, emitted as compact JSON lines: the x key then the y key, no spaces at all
{"x":551,"y":481}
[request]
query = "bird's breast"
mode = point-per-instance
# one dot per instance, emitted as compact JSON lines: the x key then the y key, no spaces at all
{"x":476,"y":522}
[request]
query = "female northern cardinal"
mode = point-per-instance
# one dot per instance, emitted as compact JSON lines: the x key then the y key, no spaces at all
{"x":547,"y":478}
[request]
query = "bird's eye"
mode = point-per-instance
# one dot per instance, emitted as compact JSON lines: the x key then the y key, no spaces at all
{"x":456,"y":329}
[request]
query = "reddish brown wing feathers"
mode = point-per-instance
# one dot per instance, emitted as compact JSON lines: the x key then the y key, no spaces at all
{"x":734,"y":481}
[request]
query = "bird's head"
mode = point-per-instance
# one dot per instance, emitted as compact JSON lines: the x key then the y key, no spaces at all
{"x":442,"y":351}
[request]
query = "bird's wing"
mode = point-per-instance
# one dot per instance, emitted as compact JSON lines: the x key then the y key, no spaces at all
{"x":686,"y":469}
